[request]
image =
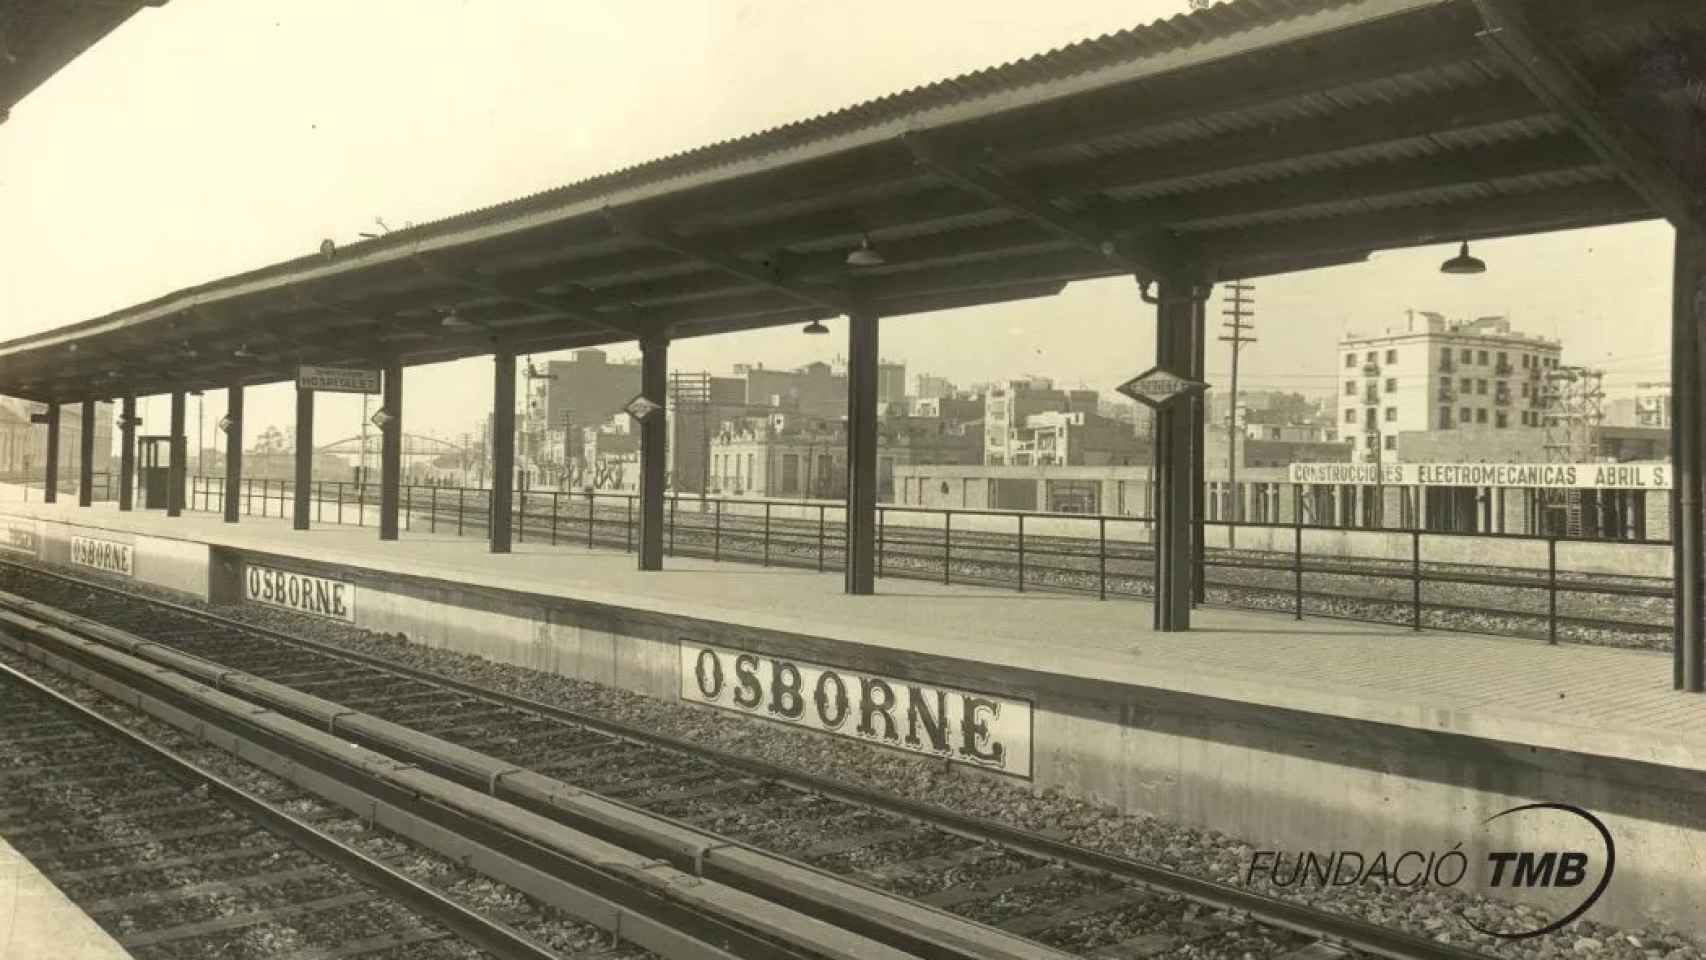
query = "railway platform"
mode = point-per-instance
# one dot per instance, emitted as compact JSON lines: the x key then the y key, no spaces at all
{"x":37,"y":920}
{"x":1295,"y":735}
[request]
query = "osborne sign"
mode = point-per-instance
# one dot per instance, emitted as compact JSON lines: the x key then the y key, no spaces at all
{"x":107,"y":556}
{"x":1158,"y":386}
{"x":961,"y":726}
{"x":337,"y":380}
{"x":1582,"y":476}
{"x":333,"y":599}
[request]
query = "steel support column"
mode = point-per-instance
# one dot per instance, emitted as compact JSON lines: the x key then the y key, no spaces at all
{"x":127,"y":453}
{"x":1178,"y":327}
{"x":50,"y":474}
{"x":177,"y":450}
{"x":654,"y":439}
{"x":503,"y":449}
{"x":86,"y":457}
{"x":233,"y":450}
{"x":1688,"y":313}
{"x":1199,"y":477}
{"x":304,"y":459}
{"x":861,"y":453}
{"x":391,"y":451}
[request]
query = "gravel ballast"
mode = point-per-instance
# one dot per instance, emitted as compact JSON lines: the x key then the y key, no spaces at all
{"x":1428,"y":911}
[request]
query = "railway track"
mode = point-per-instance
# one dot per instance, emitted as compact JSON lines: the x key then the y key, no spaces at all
{"x":173,"y":860}
{"x":1066,"y":899}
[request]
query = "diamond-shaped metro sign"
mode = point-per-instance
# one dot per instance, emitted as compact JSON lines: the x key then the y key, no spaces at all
{"x":640,"y":408}
{"x":1158,"y":386}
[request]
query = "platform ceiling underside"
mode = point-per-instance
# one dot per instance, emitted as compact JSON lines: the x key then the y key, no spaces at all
{"x":39,"y":37}
{"x":1258,"y":137}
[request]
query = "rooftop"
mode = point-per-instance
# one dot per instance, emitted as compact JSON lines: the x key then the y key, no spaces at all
{"x":1250,"y":138}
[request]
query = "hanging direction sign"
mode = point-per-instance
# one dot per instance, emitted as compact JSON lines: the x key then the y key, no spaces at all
{"x":1158,"y":386}
{"x":337,"y":379}
{"x":1560,"y":476}
{"x":641,"y":407}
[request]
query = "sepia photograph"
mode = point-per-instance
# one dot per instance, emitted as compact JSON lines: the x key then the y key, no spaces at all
{"x":876,"y":480}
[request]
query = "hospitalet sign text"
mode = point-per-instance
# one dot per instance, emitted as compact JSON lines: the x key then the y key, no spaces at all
{"x":333,"y":599}
{"x":960,"y":726}
{"x":107,"y":556}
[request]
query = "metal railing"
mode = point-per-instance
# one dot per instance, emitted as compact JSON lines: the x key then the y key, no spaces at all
{"x":1410,"y":577}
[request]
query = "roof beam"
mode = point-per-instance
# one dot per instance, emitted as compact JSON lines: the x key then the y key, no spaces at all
{"x":568,"y":307}
{"x":1144,"y":259}
{"x":769,"y":275}
{"x":1550,"y":76}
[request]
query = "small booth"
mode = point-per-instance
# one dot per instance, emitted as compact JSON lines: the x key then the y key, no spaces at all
{"x":154,"y":470}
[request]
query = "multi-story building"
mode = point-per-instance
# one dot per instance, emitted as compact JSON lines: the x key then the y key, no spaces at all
{"x":1079,"y":438}
{"x":1430,"y":374}
{"x":785,"y":454}
{"x":930,"y":387}
{"x":1652,"y":404}
{"x":1008,"y":406}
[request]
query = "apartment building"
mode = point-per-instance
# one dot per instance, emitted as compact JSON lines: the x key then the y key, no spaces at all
{"x":1433,"y":374}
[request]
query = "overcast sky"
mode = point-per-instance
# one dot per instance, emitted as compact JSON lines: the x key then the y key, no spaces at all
{"x":208,"y":137}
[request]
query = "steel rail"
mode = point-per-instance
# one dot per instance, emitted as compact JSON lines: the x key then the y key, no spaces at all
{"x":1325,"y":925}
{"x":495,"y":938}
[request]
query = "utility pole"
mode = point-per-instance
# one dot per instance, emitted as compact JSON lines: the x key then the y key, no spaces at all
{"x":1240,"y":298}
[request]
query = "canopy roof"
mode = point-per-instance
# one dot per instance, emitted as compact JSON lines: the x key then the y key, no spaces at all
{"x":1254,"y":137}
{"x":38,"y":37}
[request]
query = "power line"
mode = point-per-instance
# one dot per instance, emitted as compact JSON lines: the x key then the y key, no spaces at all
{"x":1240,"y":296}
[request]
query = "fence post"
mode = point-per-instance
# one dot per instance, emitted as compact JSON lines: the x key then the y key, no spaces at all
{"x":882,"y":516}
{"x":360,"y":504}
{"x":1552,"y":590}
{"x":521,"y":518}
{"x":627,"y":525}
{"x":1021,"y":553}
{"x":947,"y":546}
{"x":717,"y":532}
{"x":338,"y":492}
{"x":249,"y":496}
{"x":408,"y":506}
{"x":1416,"y":579}
{"x":1297,"y":562}
{"x":459,"y":492}
{"x":432,"y":511}
{"x":591,"y":508}
{"x":673,"y":501}
{"x":553,"y":518}
{"x":1102,"y":557}
{"x":820,"y":525}
{"x":767,"y":533}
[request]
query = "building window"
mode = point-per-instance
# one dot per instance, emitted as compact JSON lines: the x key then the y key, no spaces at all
{"x":1391,"y":356}
{"x":1481,"y":415}
{"x":1525,"y":389}
{"x":1391,"y":385}
{"x":1481,"y":387}
{"x":1391,"y":414}
{"x":1525,"y":361}
{"x":1501,"y":421}
{"x":1350,"y":388}
{"x":1481,"y":358}
{"x":1445,"y":418}
{"x":1350,"y":416}
{"x":1350,"y":360}
{"x":1392,"y":442}
{"x":1466,"y":415}
{"x":1373,"y":356}
{"x":1466,"y":356}
{"x":1467,"y":385}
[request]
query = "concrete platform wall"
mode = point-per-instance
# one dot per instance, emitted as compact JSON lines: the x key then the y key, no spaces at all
{"x":178,"y":565}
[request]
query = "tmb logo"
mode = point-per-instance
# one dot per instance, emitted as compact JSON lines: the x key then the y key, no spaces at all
{"x":1511,"y":870}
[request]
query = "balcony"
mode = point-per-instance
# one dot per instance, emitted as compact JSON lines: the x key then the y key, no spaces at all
{"x":1502,"y":369}
{"x":1372,"y":396}
{"x":1371,"y":369}
{"x":1447,"y":364}
{"x":1447,"y":393}
{"x":1501,"y":398}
